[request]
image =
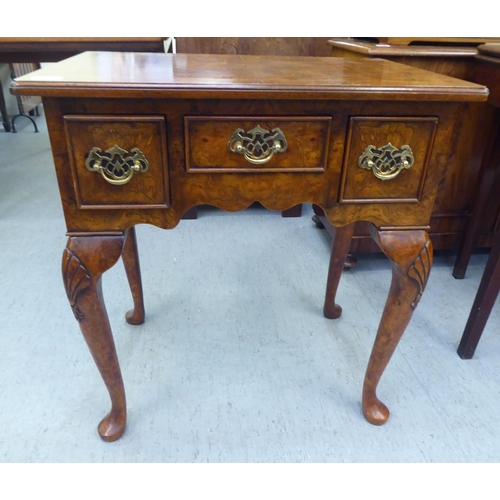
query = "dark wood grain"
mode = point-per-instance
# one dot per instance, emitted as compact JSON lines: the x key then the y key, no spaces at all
{"x":289,"y":46}
{"x":53,"y":49}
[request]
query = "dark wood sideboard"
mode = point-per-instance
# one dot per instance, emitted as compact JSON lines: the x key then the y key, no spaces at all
{"x":256,"y":46}
{"x":142,"y":138}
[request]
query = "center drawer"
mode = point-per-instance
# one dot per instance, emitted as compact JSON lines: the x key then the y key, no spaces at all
{"x":253,"y":144}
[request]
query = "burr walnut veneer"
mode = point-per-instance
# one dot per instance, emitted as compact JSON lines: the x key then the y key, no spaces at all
{"x":142,"y":138}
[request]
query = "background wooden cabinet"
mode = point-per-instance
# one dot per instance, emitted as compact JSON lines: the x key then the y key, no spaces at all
{"x":452,"y":57}
{"x":290,"y":46}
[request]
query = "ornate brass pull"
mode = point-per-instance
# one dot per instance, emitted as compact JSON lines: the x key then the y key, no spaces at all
{"x":386,"y":162}
{"x":257,"y":145}
{"x":116,"y":165}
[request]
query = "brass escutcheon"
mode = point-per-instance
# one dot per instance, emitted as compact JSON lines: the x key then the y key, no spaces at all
{"x":257,"y":145}
{"x":116,"y":165}
{"x":386,"y":162}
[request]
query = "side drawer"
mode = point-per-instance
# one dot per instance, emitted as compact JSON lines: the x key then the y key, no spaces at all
{"x":386,"y":159}
{"x":267,"y":144}
{"x":118,"y":161}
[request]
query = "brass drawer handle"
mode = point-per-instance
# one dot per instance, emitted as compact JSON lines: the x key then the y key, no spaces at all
{"x":116,"y":165}
{"x":257,"y":145}
{"x":386,"y":162}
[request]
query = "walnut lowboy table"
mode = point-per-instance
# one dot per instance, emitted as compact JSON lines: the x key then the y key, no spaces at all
{"x":141,"y":138}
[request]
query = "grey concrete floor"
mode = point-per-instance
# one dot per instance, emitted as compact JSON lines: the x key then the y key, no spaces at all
{"x":235,"y":362}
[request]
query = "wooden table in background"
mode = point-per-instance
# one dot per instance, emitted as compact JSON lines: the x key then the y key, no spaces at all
{"x":41,"y":50}
{"x":432,"y":40}
{"x":232,"y":130}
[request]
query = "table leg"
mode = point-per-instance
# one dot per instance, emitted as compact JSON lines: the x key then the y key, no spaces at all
{"x":410,"y":253}
{"x":489,"y":169}
{"x":341,"y":240}
{"x":130,"y":257}
{"x":3,"y":111}
{"x":319,"y":218}
{"x":85,"y":259}
{"x":295,"y":211}
{"x":486,"y":296}
{"x":190,"y":214}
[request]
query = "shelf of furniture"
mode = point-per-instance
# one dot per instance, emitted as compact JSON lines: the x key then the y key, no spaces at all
{"x":142,"y":138}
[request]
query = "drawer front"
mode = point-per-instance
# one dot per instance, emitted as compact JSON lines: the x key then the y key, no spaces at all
{"x":253,"y":144}
{"x":386,"y":159}
{"x":118,"y":161}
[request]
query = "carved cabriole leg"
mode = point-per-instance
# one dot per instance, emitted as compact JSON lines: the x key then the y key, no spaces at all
{"x":85,"y":259}
{"x":130,"y":257}
{"x":410,"y":253}
{"x":341,"y":240}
